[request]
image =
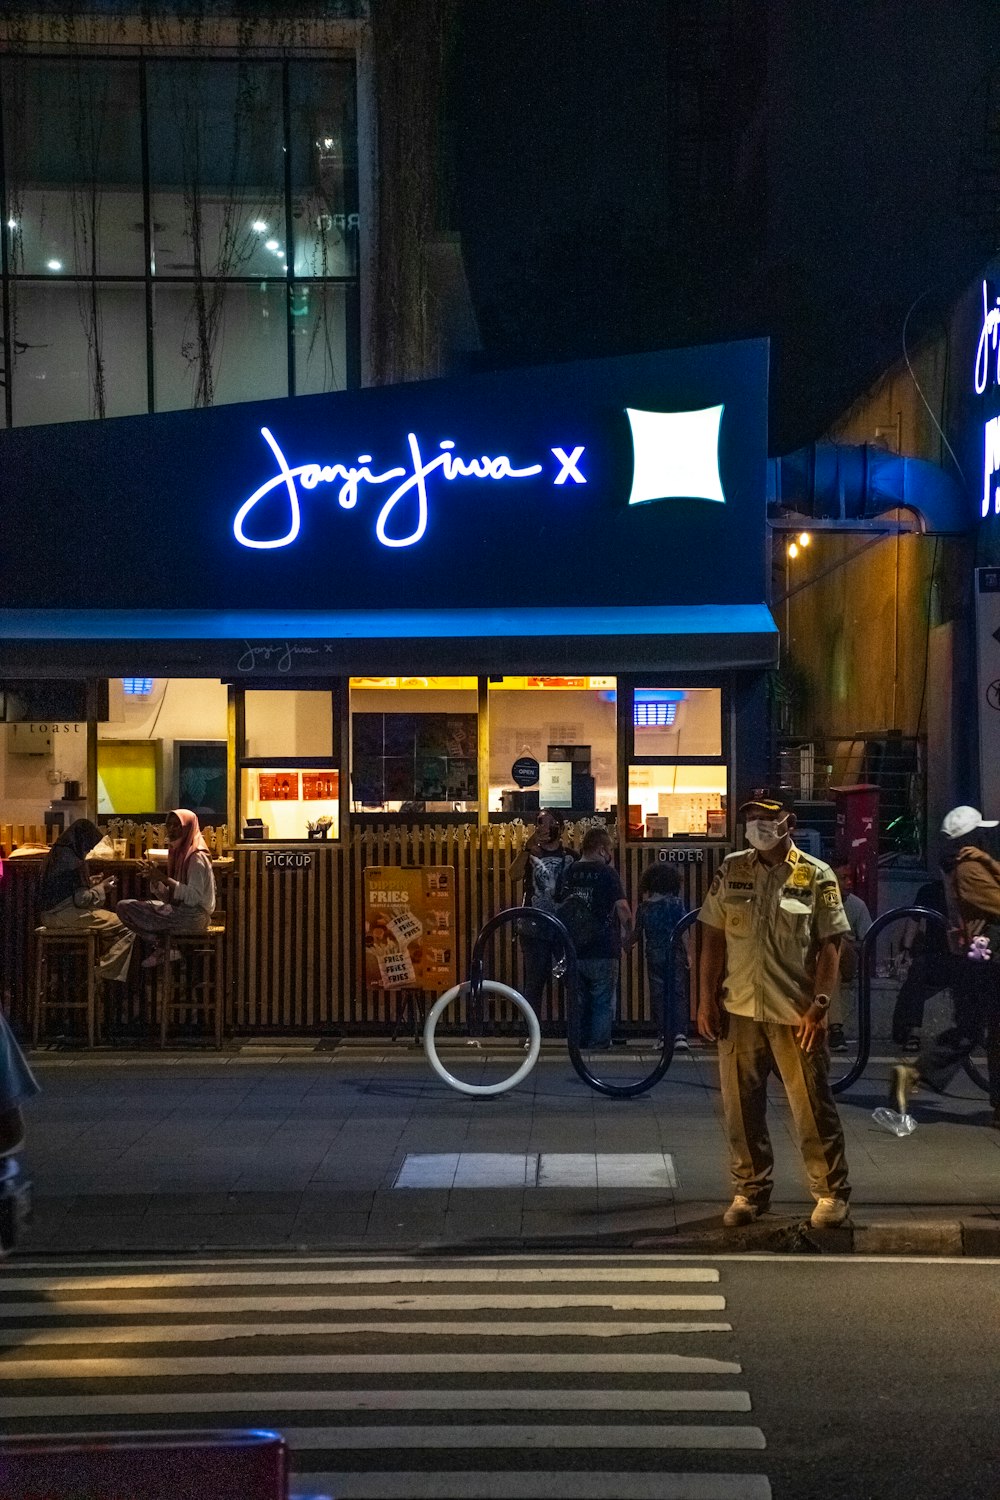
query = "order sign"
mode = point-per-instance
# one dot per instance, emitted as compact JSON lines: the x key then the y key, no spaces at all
{"x":410,"y":928}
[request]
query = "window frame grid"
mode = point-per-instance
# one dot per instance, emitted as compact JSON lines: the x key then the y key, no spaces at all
{"x":351,"y":284}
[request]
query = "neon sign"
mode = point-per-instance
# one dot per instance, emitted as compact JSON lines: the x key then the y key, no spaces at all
{"x":413,"y":480}
{"x":991,"y":466}
{"x":989,"y":342}
{"x":675,"y":455}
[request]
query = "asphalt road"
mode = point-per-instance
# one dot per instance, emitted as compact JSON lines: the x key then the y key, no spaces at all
{"x":873,"y":1380}
{"x":592,"y":1377}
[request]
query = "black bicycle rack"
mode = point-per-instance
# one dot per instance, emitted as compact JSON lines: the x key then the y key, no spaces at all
{"x":514,"y":914}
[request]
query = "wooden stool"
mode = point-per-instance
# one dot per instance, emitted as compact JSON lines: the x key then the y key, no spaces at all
{"x":195,"y":985}
{"x":53,"y":943}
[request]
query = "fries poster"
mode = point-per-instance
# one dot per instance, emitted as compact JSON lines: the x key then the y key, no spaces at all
{"x":410,"y":928}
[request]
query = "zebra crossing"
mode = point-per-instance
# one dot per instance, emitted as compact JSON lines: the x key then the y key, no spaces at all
{"x":401,"y":1378}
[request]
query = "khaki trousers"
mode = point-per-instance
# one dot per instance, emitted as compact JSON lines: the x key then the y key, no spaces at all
{"x":748,"y":1053}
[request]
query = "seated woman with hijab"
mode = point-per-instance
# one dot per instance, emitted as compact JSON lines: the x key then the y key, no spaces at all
{"x":70,"y":897}
{"x":185,"y":900}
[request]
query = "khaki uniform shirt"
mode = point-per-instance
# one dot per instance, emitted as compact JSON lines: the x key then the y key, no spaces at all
{"x":774,"y":920}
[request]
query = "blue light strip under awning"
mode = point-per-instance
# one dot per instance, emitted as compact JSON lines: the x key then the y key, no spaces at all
{"x":418,"y":624}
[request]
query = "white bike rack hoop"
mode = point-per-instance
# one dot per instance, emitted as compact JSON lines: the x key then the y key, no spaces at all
{"x":492,"y":987}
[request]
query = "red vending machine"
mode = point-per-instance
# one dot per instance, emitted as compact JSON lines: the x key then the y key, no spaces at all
{"x":856,"y":842}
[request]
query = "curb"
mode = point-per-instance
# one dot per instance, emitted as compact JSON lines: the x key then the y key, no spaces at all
{"x":941,"y":1238}
{"x":929,"y":1237}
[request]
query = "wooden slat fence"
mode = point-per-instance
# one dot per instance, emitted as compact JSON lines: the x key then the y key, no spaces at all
{"x":300,"y":955}
{"x":295,"y":938}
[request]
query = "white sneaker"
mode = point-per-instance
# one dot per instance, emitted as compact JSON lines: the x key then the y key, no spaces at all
{"x":740,"y":1211}
{"x":829,"y":1213}
{"x":681,"y":1041}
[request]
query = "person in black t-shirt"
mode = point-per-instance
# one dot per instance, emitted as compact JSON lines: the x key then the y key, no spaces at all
{"x":595,"y":883}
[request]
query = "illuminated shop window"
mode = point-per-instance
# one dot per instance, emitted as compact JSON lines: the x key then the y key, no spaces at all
{"x":674,"y":801}
{"x":415,"y":745}
{"x":677,"y":721}
{"x":289,"y":774}
{"x":288,"y":803}
{"x":164,"y":745}
{"x":678,"y":777}
{"x":567,"y":727}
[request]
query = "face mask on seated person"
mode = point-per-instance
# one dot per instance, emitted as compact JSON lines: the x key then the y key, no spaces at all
{"x":762,"y":833}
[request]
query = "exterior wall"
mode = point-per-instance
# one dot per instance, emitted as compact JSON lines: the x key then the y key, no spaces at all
{"x":857,"y":639}
{"x":887,"y":629}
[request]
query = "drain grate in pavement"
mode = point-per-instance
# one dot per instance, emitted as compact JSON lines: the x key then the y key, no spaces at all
{"x":496,"y":1169}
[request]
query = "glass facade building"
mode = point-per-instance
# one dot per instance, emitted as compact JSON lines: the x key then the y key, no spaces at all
{"x":177,"y":232}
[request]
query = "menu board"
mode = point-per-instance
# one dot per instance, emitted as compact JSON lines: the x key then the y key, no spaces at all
{"x":410,"y":928}
{"x":279,"y":786}
{"x":320,"y":786}
{"x":414,"y":757}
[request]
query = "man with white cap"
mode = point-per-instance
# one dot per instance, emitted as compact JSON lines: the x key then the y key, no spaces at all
{"x":972,"y":882}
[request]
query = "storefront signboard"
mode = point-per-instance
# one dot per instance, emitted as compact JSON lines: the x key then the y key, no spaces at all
{"x":988,"y":664}
{"x":987,"y":382}
{"x":410,"y":928}
{"x":635,"y":481}
{"x":287,"y":859}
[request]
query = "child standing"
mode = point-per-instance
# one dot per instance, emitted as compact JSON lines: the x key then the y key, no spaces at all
{"x":660,"y":909}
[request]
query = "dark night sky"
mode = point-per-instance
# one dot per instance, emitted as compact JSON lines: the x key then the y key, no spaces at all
{"x":578,"y":243}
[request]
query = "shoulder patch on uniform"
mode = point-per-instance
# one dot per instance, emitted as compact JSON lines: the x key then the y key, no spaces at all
{"x":831,"y":896}
{"x":716,"y":885}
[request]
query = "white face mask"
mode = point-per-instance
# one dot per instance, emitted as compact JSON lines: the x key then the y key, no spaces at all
{"x":762,"y":833}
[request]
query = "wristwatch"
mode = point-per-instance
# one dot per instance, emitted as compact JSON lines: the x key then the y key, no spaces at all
{"x":823,"y":1001}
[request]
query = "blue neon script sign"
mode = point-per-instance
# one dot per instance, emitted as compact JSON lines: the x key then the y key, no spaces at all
{"x":675,"y":455}
{"x":412,"y":479}
{"x":988,"y":374}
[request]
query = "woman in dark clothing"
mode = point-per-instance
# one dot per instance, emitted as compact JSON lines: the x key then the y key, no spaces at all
{"x":70,"y":897}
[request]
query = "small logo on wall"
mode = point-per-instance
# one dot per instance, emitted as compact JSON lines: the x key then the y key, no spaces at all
{"x":993,"y":695}
{"x":676,"y":455}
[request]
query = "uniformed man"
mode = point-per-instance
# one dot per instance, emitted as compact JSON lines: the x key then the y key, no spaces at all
{"x":771,"y":929}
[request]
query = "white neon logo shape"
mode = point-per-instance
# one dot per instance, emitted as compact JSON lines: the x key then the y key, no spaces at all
{"x":353,"y":475}
{"x":676,"y":455}
{"x":989,"y":338}
{"x":991,"y":466}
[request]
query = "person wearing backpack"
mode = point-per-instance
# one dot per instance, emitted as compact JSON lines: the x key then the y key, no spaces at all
{"x":598,"y":919}
{"x":972,"y":885}
{"x":541,"y":864}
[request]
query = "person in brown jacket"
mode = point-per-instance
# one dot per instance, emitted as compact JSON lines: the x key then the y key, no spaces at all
{"x":972,"y":884}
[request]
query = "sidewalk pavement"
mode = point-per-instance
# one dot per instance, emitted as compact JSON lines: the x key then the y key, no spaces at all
{"x":293,"y":1147}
